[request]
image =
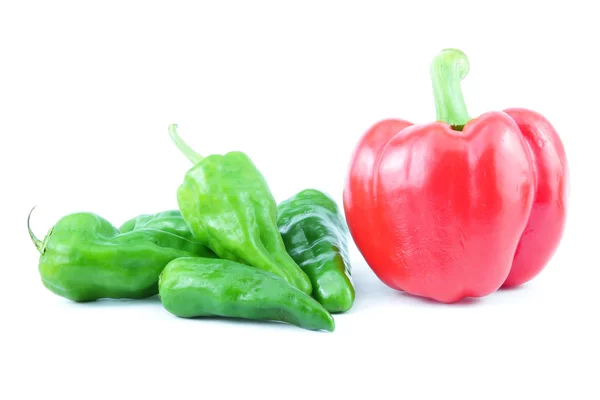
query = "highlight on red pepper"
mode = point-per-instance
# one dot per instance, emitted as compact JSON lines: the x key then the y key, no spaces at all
{"x":461,"y":206}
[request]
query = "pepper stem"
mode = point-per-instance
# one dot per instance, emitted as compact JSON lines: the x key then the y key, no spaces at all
{"x":447,"y":69}
{"x":194,"y":157}
{"x":37,"y":242}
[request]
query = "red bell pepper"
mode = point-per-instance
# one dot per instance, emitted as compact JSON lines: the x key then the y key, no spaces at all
{"x":458,"y":207}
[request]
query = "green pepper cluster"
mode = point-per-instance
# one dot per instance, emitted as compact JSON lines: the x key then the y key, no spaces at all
{"x":229,"y":250}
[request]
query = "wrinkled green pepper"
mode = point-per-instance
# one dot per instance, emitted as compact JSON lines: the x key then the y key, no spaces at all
{"x":200,"y":287}
{"x":316,"y":236}
{"x":168,"y":221}
{"x":83,"y":258}
{"x":229,"y":208}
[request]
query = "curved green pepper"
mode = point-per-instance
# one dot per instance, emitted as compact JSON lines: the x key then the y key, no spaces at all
{"x":199,"y":287}
{"x":169,"y":221}
{"x":84,"y":258}
{"x":229,"y":208}
{"x":316,"y":236}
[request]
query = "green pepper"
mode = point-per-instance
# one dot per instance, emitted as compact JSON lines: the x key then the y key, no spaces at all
{"x":193,"y":287}
{"x":168,"y":221}
{"x":228,"y":206}
{"x":83,"y":258}
{"x":316,"y":236}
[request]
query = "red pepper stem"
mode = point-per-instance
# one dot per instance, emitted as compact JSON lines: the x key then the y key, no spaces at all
{"x":194,"y":157}
{"x":447,"y":69}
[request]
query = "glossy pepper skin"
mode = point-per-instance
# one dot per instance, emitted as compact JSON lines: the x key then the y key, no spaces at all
{"x":547,"y":220}
{"x":84,"y":258}
{"x":446,"y":210}
{"x":200,"y":287}
{"x":229,"y":208}
{"x":316,"y":236}
{"x":168,"y":221}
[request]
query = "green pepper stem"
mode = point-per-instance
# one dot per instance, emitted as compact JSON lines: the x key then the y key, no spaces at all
{"x":37,"y":242}
{"x":447,"y":69}
{"x":194,"y":157}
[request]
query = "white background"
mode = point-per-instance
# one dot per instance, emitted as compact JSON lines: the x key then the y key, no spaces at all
{"x":86,"y":95}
